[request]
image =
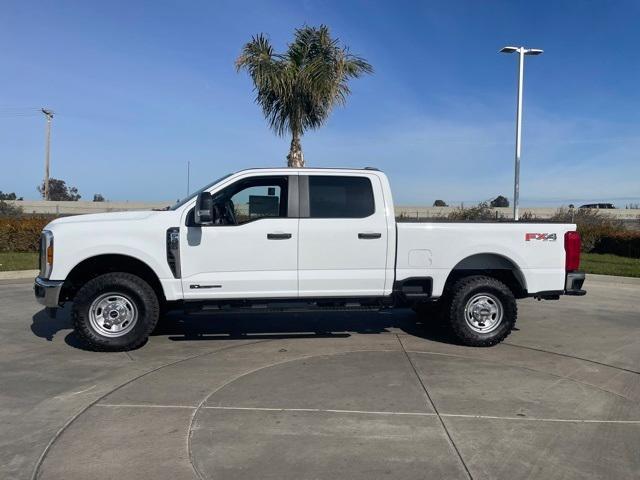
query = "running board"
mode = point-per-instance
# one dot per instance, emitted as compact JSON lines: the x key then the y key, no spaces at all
{"x":286,"y":306}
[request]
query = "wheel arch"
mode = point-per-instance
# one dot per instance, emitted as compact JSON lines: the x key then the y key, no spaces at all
{"x":99,"y":264}
{"x":493,"y":265}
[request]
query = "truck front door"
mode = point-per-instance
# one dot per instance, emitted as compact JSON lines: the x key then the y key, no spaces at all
{"x":251,"y":250}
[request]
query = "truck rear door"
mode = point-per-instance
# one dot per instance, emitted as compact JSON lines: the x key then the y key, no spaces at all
{"x":343,"y":234}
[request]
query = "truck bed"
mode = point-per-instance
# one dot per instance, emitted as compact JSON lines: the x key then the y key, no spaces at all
{"x":535,"y":251}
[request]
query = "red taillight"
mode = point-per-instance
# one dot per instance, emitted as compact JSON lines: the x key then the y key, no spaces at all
{"x":572,"y":250}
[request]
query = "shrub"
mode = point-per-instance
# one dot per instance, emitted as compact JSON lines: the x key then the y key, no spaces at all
{"x":626,"y":244}
{"x":528,"y":216}
{"x":21,"y":234}
{"x":591,"y":223}
{"x":480,"y":212}
{"x":9,"y":210}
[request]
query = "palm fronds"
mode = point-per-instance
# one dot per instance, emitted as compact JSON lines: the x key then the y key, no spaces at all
{"x":298,"y":89}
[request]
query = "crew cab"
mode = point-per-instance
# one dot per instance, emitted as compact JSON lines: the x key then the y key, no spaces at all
{"x":297,"y":238}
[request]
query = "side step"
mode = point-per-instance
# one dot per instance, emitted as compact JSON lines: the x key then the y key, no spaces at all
{"x":285,"y":306}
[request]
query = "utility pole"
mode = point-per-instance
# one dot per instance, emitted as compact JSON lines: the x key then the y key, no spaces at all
{"x":49,"y":115}
{"x":521,"y":51}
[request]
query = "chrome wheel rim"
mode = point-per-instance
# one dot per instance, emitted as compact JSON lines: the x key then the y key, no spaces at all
{"x":113,"y":314}
{"x":483,"y":313}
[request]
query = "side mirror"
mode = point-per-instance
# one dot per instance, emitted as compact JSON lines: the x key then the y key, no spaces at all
{"x":203,"y":214}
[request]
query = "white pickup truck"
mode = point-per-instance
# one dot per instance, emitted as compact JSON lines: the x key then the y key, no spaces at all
{"x":311,"y":238}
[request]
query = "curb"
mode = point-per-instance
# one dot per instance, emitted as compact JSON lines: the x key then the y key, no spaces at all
{"x":611,"y":279}
{"x":18,"y":274}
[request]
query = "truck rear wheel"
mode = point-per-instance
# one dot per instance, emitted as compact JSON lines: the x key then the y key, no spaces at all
{"x":482,"y":311}
{"x":115,"y":311}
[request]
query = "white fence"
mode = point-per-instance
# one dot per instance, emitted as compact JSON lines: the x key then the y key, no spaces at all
{"x":539,"y":212}
{"x":68,"y":208}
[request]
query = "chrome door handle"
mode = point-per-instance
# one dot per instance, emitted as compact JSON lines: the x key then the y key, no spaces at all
{"x":278,"y":236}
{"x":369,"y":236}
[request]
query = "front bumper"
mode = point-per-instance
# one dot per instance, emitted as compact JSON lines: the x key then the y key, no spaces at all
{"x":47,"y":291}
{"x":573,"y":284}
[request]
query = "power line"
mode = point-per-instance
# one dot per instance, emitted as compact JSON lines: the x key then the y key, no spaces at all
{"x":8,"y":111}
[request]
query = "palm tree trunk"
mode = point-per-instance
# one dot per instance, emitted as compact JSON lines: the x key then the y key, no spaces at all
{"x":295,"y":159}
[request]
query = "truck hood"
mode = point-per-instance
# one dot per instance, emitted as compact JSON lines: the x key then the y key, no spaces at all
{"x":105,"y":217}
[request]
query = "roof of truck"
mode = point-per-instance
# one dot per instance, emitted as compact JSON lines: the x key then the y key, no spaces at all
{"x":307,"y":169}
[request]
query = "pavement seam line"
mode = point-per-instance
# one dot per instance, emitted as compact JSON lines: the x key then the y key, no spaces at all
{"x":572,"y":356}
{"x":435,"y":409}
{"x":36,"y":471}
{"x":533,"y":419}
{"x":141,"y":405}
{"x":367,"y":412}
{"x":318,"y":410}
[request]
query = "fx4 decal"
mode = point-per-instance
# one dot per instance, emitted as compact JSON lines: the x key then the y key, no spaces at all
{"x":545,"y":237}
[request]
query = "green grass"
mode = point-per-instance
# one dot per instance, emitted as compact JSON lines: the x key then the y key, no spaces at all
{"x":609,"y":264}
{"x":18,"y":261}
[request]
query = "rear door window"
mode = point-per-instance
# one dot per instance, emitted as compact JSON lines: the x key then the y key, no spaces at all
{"x":340,"y":197}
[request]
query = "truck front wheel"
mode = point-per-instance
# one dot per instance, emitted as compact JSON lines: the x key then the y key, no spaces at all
{"x":115,"y":311}
{"x":482,"y":311}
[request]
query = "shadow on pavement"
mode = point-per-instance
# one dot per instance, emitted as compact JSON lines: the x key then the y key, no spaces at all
{"x":46,"y":327}
{"x":180,"y":327}
{"x":243,"y":326}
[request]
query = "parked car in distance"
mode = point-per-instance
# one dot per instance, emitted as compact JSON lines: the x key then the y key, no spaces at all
{"x":286,"y":238}
{"x":598,"y":205}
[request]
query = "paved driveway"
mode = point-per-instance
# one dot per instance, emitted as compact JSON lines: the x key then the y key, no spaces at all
{"x":329,"y":395}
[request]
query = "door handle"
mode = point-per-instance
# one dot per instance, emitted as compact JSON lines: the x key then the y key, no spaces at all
{"x":278,"y":236}
{"x":369,"y":236}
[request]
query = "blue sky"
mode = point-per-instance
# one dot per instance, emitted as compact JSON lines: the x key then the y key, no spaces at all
{"x":140,"y":88}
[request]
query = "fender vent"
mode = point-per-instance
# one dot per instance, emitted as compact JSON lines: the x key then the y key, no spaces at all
{"x":173,"y":250}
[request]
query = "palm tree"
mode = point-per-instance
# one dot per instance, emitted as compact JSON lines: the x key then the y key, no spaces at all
{"x":298,"y":89}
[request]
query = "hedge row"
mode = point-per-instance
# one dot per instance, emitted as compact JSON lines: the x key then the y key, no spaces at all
{"x":21,"y":234}
{"x":626,"y":244}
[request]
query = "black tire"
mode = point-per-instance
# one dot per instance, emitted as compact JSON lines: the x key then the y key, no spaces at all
{"x":136,"y":290}
{"x":467,"y":289}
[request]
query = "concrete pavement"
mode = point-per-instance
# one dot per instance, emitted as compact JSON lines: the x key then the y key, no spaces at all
{"x":331,"y":395}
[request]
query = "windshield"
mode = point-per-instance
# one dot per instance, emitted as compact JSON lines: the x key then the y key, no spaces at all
{"x":195,"y":194}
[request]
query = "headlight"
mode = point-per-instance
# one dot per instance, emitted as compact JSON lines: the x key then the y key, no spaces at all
{"x":46,"y":253}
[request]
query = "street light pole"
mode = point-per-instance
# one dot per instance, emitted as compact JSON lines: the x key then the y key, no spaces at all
{"x":516,"y":182}
{"x":49,"y":115}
